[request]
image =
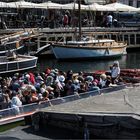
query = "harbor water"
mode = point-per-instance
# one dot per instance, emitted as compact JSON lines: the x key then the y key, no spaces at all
{"x":129,"y":60}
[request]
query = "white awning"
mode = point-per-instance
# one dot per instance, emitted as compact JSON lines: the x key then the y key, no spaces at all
{"x":121,"y":7}
{"x":74,"y":5}
{"x":3,"y":5}
{"x":23,"y":4}
{"x":51,"y":5}
{"x":98,"y":7}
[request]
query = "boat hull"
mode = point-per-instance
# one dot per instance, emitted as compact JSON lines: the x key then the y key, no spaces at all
{"x":22,"y":63}
{"x":64,"y":52}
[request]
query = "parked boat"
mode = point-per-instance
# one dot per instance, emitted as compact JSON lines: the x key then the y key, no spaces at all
{"x":18,"y":63}
{"x":8,"y":115}
{"x":99,"y":116}
{"x":127,"y":75}
{"x":15,"y":42}
{"x":23,"y":35}
{"x":13,"y":46}
{"x":85,"y":47}
{"x":89,"y":48}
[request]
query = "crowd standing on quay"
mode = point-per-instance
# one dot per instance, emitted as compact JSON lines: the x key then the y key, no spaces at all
{"x":26,"y":88}
{"x":56,"y":19}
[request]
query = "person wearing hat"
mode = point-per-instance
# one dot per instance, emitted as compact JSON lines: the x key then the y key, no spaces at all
{"x":115,"y":72}
{"x":69,"y":75}
{"x":103,"y":79}
{"x":75,"y":86}
{"x":50,"y":90}
{"x":93,"y":87}
{"x":49,"y":80}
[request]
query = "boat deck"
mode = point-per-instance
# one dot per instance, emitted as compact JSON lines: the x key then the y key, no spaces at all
{"x":108,"y":115}
{"x":19,"y":58}
{"x":123,"y":101}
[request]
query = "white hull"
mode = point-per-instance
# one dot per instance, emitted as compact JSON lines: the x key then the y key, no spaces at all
{"x":64,"y":52}
{"x":22,"y":62}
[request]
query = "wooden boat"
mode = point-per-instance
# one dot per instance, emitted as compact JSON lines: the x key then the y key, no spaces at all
{"x":8,"y":115}
{"x":127,"y":75}
{"x":16,"y":42}
{"x":84,"y":47}
{"x":89,"y":48}
{"x":23,"y":35}
{"x":102,"y":115}
{"x":19,"y":63}
{"x":13,"y":46}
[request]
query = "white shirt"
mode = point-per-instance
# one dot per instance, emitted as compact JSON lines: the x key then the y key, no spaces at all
{"x":109,"y":18}
{"x":15,"y":102}
{"x":115,"y":72}
{"x":102,"y":82}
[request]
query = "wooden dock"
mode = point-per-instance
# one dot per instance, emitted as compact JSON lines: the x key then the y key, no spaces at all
{"x":129,"y":35}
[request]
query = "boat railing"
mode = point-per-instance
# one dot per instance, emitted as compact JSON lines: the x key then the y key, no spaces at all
{"x":29,"y":109}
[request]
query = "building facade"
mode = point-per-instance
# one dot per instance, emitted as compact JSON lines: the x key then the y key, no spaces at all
{"x":134,"y":3}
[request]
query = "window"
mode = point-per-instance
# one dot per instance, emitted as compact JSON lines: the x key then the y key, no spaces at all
{"x":138,"y":3}
{"x":131,"y":2}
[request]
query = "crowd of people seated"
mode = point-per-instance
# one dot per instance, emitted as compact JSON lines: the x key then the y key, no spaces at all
{"x":25,"y":88}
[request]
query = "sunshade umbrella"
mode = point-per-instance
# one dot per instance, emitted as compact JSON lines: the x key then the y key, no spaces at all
{"x":121,"y":7}
{"x":51,"y":5}
{"x":3,"y":5}
{"x":74,"y":5}
{"x":98,"y":7}
{"x":23,"y":4}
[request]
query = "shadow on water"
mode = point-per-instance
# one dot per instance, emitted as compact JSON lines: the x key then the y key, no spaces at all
{"x":131,"y":60}
{"x":50,"y":132}
{"x":88,"y":65}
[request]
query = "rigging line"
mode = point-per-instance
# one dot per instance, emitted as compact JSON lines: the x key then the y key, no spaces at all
{"x":21,"y":10}
{"x":91,"y":15}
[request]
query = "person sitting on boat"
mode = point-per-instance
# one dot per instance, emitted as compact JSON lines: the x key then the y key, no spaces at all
{"x":102,"y":80}
{"x":11,"y":55}
{"x":93,"y":86}
{"x":16,"y":102}
{"x":115,"y":72}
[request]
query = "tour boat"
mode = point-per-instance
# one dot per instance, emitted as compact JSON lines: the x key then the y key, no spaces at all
{"x":20,"y":63}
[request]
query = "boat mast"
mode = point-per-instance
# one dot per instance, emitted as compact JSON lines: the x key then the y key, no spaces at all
{"x":79,"y":15}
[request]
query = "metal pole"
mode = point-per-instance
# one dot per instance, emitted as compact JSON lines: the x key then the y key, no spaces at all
{"x":79,"y":12}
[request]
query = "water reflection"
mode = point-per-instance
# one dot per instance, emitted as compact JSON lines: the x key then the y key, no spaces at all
{"x":131,"y":60}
